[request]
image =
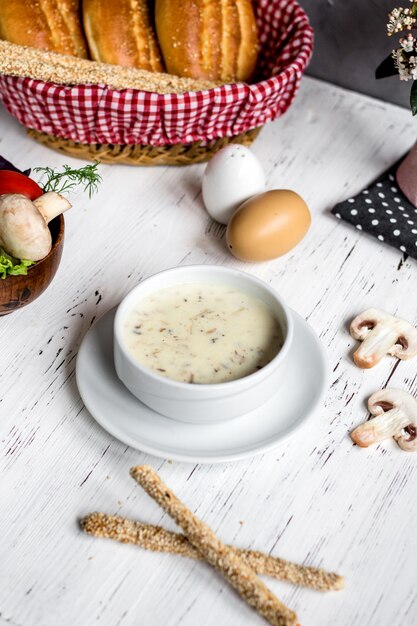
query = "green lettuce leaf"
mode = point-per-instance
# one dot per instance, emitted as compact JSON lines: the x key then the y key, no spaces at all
{"x":9,"y":266}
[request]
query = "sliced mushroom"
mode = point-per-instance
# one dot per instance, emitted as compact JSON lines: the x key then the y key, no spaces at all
{"x":381,"y":334}
{"x":395,"y":414}
{"x":24,"y":231}
{"x":51,"y":204}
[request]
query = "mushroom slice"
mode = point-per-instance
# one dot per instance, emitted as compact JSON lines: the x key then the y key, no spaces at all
{"x":381,"y":334}
{"x":395,"y":414}
{"x":51,"y":204}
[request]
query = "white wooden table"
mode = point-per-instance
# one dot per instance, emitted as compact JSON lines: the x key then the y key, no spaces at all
{"x":317,"y":499}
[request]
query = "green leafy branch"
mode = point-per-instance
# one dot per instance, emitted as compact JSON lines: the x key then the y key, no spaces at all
{"x":402,"y":60}
{"x":69,"y":179}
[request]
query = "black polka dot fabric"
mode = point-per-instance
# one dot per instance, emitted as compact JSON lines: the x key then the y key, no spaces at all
{"x":383,"y":211}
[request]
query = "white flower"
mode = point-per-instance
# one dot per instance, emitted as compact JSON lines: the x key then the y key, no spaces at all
{"x":400,"y":19}
{"x":407,"y":43}
{"x":404,"y":74}
{"x":405,"y":56}
{"x":401,"y":64}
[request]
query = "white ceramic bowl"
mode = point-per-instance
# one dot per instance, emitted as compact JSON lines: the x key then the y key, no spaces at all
{"x":201,"y":404}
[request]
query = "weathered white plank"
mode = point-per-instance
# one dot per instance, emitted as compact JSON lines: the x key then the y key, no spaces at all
{"x":318,"y":499}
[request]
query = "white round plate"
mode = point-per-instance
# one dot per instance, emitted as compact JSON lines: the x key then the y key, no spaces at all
{"x":300,"y":388}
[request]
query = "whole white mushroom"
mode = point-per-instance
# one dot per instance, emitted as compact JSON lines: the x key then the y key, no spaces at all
{"x":24,"y":232}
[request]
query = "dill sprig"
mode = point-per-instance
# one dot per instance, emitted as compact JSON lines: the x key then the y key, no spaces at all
{"x":69,"y":178}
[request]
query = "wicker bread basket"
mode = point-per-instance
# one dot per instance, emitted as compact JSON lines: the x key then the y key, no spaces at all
{"x":122,"y":115}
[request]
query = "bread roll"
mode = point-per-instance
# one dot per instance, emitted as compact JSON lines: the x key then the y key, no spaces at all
{"x":47,"y":24}
{"x":210,"y":39}
{"x":121,"y":32}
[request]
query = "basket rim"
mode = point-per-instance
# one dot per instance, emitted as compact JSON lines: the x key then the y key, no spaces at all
{"x":174,"y":154}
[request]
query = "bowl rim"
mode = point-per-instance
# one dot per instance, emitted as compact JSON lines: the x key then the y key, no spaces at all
{"x":245,"y":381}
{"x":57,"y":242}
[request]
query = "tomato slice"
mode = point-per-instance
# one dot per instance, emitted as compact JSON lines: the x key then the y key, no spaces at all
{"x":14,"y":182}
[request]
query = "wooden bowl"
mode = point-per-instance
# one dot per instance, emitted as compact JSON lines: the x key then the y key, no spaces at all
{"x":18,"y":291}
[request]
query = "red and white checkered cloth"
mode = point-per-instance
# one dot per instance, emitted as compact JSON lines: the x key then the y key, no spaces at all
{"x":98,"y":114}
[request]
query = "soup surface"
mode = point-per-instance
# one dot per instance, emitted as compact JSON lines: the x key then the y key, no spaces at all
{"x":202,"y":333}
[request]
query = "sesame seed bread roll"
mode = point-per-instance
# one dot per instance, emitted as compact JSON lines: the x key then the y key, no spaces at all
{"x":53,"y":25}
{"x":210,"y":39}
{"x":120,"y":32}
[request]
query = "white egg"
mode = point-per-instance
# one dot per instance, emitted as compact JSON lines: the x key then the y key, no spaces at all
{"x":232,"y":176}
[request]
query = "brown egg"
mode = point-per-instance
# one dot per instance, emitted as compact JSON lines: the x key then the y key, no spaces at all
{"x":268,"y":225}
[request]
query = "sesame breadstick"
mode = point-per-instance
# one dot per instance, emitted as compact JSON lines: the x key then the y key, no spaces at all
{"x":226,"y":561}
{"x":27,"y":62}
{"x":158,"y":539}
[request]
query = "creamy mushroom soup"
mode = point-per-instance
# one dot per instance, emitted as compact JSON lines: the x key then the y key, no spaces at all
{"x":202,"y":333}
